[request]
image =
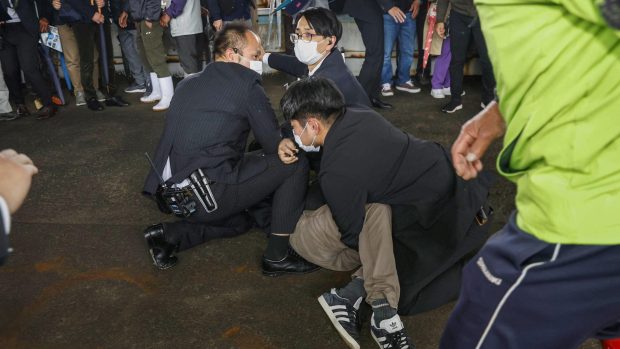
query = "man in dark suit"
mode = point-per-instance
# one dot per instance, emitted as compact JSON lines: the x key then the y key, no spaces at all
{"x":368,"y":15}
{"x":316,"y":36}
{"x":207,"y":127}
{"x":19,"y":35}
{"x":436,"y":218}
{"x":16,"y":171}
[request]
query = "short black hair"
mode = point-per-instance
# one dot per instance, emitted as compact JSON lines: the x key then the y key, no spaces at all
{"x":232,"y":36}
{"x":312,"y":97}
{"x":323,"y":21}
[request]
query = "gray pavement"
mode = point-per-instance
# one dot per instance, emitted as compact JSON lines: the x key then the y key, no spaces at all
{"x":80,"y":276}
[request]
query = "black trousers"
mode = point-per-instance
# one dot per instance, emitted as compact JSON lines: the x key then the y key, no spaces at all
{"x":285,"y":183}
{"x":370,"y":74}
{"x":462,"y":29}
{"x":189,"y":48}
{"x":88,"y":38}
{"x":19,"y":52}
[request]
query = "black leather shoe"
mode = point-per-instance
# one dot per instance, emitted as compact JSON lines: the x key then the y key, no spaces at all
{"x":116,"y":101}
{"x":47,"y":112}
{"x":160,"y":249}
{"x":21,"y":110}
{"x":291,"y":264}
{"x":94,"y":105}
{"x":377,"y":103}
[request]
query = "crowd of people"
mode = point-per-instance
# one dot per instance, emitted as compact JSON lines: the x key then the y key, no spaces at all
{"x":404,"y":214}
{"x":84,"y":31}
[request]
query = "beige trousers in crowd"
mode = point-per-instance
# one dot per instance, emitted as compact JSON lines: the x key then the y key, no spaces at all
{"x":317,"y":239}
{"x":72,"y":58}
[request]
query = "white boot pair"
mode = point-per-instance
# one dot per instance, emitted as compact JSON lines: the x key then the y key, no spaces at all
{"x":163,"y":90}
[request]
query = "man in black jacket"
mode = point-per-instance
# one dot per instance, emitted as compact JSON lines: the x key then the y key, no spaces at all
{"x":316,"y":36}
{"x":19,"y":35}
{"x":207,"y":128}
{"x":437,"y":218}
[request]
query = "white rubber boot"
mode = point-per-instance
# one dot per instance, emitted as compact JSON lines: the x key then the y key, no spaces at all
{"x":155,"y":94}
{"x":167,"y":91}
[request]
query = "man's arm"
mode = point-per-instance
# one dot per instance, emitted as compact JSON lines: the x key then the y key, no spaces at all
{"x":263,"y":119}
{"x":176,"y":8}
{"x":347,"y":203}
{"x":287,"y":64}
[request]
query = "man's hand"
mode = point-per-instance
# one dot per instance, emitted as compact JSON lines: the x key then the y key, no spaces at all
{"x":218,"y":25}
{"x":204,"y":11}
{"x":287,"y":151}
{"x":440,"y":29}
{"x":415,"y":8}
{"x":397,"y":14}
{"x":98,"y":18}
{"x":164,"y":20}
{"x":16,"y":171}
{"x":122,"y":19}
{"x":43,"y":25}
{"x":100,"y":3}
{"x":475,"y":138}
{"x":148,"y":24}
{"x":56,"y":4}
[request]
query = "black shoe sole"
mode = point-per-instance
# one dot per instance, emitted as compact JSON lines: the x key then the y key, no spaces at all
{"x":280,"y":273}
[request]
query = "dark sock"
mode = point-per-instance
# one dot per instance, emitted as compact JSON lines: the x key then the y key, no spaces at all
{"x":353,"y":290}
{"x":277,"y":248}
{"x":382,"y":310}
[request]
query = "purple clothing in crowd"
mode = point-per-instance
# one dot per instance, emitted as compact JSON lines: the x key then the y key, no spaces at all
{"x":441,"y":74}
{"x":176,"y":8}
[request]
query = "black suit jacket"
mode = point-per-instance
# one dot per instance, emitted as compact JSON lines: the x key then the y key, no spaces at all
{"x":208,"y":122}
{"x":367,"y":10}
{"x":26,"y":11}
{"x":333,"y":68}
{"x":368,"y":160}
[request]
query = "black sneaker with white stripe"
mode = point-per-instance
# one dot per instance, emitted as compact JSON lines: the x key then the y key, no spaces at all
{"x":390,"y":333}
{"x":344,"y":316}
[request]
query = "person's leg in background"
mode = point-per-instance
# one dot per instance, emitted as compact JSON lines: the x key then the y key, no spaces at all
{"x":72,"y":60}
{"x":6,"y":112}
{"x":517,"y":282}
{"x":85,"y":34}
{"x":152,"y":39}
{"x":187,"y":48}
{"x":390,"y":32}
{"x":148,"y":70}
{"x":422,"y":75}
{"x":440,"y":82}
{"x":127,"y":39}
{"x":460,"y":34}
{"x":488,"y":79}
{"x":370,"y":73}
{"x":406,"y":38}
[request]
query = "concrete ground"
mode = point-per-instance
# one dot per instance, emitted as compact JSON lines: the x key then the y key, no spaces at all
{"x":80,"y":276}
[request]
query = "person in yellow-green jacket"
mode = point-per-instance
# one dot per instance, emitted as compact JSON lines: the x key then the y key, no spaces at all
{"x":551,"y":277}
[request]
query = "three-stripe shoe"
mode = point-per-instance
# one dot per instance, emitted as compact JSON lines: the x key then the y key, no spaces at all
{"x":390,"y":333}
{"x":343,"y":315}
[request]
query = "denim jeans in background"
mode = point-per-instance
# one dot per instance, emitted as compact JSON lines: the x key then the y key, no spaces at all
{"x":405,"y":33}
{"x":127,"y":38}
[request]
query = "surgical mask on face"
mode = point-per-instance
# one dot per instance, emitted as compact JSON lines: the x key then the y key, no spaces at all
{"x":257,"y":66}
{"x":307,"y":148}
{"x":306,"y":52}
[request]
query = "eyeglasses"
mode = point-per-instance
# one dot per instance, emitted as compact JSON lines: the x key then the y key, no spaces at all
{"x":305,"y":37}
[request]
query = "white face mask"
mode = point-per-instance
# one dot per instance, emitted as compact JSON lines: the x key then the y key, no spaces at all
{"x":307,"y":148}
{"x":257,"y":66}
{"x":306,"y":52}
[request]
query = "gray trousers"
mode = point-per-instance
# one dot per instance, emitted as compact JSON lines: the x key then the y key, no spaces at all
{"x":128,"y":40}
{"x":5,"y":106}
{"x":189,"y":49}
{"x":317,"y":239}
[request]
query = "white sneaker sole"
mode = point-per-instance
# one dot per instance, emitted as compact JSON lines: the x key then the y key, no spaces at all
{"x":408,"y":89}
{"x":454,"y":110}
{"x":387,"y":94}
{"x":351,"y":343}
{"x":375,"y":338}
